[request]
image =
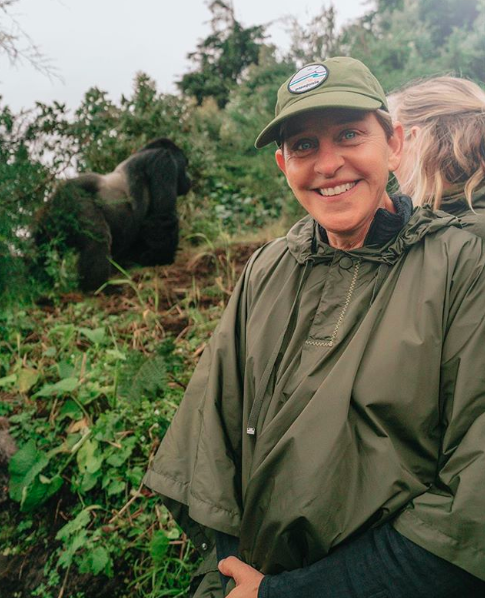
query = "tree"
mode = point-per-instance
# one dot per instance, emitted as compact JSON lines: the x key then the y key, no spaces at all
{"x":403,"y":40}
{"x":445,"y":15}
{"x":317,"y":41}
{"x":222,"y":57}
{"x":16,"y":44}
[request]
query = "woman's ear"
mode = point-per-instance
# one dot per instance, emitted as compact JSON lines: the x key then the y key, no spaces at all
{"x":280,"y":160}
{"x":395,"y":146}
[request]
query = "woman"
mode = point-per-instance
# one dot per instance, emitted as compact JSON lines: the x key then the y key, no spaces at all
{"x":332,"y":435}
{"x":443,"y":163}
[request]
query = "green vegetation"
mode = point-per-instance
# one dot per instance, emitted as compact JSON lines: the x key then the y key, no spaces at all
{"x":88,"y":385}
{"x":222,"y":57}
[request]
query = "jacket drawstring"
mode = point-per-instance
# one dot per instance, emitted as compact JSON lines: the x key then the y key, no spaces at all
{"x":258,"y":401}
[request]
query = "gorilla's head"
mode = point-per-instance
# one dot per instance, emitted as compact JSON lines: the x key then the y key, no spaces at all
{"x":184,"y":184}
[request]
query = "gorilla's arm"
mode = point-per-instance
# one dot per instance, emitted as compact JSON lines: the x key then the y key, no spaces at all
{"x":157,"y":238}
{"x":157,"y":242}
{"x":152,"y":176}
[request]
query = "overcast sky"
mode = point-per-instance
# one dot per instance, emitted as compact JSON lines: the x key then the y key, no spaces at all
{"x":104,"y":43}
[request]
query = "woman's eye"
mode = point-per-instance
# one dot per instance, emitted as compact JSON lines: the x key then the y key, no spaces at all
{"x":303,"y":145}
{"x":349,"y":135}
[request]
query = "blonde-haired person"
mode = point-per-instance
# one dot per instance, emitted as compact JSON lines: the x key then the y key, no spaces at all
{"x":443,"y":162}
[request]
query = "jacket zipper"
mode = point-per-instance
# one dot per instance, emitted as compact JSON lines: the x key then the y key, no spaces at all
{"x":341,"y":317}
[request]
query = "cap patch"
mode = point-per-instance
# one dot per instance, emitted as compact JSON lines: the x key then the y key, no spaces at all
{"x":308,"y":78}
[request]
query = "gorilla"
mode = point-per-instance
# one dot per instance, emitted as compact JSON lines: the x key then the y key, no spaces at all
{"x":128,"y":215}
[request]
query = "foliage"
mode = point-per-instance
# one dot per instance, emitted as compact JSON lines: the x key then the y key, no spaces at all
{"x":109,"y":133}
{"x":317,"y":40}
{"x":89,"y":395}
{"x":435,"y":40}
{"x":444,"y":16}
{"x":26,"y":175}
{"x":222,"y":57}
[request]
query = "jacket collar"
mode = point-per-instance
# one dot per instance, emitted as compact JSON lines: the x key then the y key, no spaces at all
{"x":304,"y":242}
{"x":386,"y":225}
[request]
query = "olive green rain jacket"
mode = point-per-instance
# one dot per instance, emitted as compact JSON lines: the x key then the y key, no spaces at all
{"x":339,"y":390}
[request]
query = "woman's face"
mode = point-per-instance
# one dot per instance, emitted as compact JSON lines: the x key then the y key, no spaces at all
{"x":337,"y":164}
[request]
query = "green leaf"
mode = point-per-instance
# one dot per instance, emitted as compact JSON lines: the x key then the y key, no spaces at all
{"x":27,"y":378}
{"x":8,"y":380}
{"x":89,"y":392}
{"x":45,"y":391}
{"x":24,"y":525}
{"x":142,"y":376}
{"x":39,"y":492}
{"x":89,"y":481}
{"x":117,"y":458}
{"x":115,"y":487}
{"x":89,"y":459}
{"x":116,"y":354}
{"x":75,"y":543}
{"x":66,"y":370}
{"x":24,"y":466}
{"x":70,"y":409}
{"x":78,"y":523}
{"x":96,"y":336}
{"x":135,"y":475}
{"x":66,"y":386}
{"x":95,"y":561}
{"x":174,"y":533}
{"x":159,"y":546}
{"x":27,"y":485}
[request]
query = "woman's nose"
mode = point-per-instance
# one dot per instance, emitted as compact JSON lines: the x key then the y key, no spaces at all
{"x":329,"y":160}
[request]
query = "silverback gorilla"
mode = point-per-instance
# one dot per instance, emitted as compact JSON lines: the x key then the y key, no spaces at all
{"x":128,"y":215}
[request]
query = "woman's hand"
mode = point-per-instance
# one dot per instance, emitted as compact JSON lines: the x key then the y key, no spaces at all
{"x":247,"y":579}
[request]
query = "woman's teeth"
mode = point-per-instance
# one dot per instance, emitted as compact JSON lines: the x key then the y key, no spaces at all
{"x":329,"y":191}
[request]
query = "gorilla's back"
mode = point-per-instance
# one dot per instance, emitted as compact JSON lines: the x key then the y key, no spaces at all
{"x":113,"y":187}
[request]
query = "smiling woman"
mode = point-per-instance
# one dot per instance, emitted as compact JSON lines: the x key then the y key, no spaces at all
{"x":330,"y":443}
{"x":337,"y":164}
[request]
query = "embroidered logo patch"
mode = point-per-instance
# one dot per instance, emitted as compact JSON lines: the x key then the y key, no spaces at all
{"x":308,"y":78}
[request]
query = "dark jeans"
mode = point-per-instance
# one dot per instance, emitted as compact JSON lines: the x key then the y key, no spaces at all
{"x":226,"y":546}
{"x":379,"y":564}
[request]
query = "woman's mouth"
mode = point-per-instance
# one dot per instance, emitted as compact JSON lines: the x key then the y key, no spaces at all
{"x":337,"y":190}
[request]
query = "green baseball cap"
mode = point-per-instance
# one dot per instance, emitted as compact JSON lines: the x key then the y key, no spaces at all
{"x":340,"y":82}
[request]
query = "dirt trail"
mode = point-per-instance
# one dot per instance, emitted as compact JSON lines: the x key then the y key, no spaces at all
{"x":198,"y":278}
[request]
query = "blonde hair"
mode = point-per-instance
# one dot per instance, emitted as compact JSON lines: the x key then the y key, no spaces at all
{"x":450,"y":145}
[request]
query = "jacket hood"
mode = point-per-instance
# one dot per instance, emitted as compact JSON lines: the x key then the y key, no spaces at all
{"x":304,"y":242}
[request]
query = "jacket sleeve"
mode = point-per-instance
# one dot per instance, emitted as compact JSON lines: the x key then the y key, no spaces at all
{"x":196,"y":468}
{"x":449,"y":518}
